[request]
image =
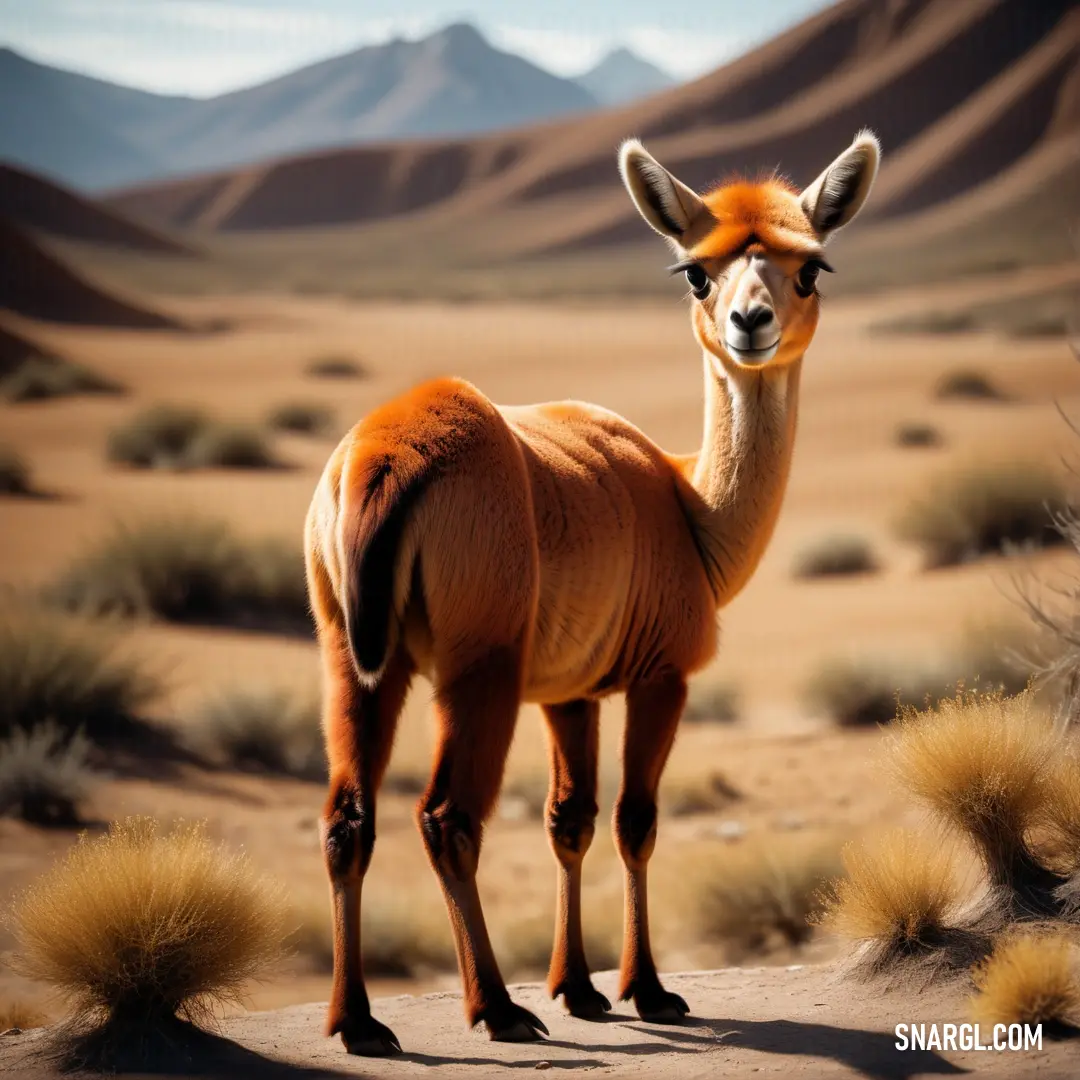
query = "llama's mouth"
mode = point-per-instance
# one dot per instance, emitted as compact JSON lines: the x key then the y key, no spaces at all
{"x":752,"y":356}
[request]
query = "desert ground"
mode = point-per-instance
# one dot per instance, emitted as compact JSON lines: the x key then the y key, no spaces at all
{"x":777,"y":775}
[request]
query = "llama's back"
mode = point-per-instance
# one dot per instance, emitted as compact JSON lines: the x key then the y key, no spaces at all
{"x":423,"y":517}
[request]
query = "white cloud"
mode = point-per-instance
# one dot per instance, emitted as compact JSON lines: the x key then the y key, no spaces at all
{"x":562,"y":52}
{"x":680,"y":53}
{"x":206,"y":47}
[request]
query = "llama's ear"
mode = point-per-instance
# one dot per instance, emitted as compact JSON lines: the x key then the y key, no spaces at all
{"x":838,"y":194}
{"x":667,"y":204}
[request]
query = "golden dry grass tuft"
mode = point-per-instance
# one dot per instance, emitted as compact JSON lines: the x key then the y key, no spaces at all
{"x":1029,"y":979}
{"x":981,"y":764}
{"x":1060,"y":829}
{"x":758,"y":896}
{"x":139,"y":928}
{"x":899,"y":900}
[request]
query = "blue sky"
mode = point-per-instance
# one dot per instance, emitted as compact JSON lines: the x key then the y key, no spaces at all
{"x":203,"y":47}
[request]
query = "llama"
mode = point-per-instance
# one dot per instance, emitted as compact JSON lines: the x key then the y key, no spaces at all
{"x":555,"y":554}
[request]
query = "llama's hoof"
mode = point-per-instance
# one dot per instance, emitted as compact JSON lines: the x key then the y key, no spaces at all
{"x":512,"y":1023}
{"x":661,"y":1007}
{"x":369,"y":1038}
{"x":584,"y":1001}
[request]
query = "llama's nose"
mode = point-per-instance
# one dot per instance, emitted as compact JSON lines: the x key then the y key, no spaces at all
{"x":758,"y":315}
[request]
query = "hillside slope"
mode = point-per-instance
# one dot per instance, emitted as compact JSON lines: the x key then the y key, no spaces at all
{"x":93,"y":134}
{"x":901,"y":68}
{"x":36,"y":203}
{"x":36,"y":283}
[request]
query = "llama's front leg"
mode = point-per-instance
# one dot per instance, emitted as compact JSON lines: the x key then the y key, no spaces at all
{"x":360,"y":727}
{"x":571,"y":819}
{"x":652,"y":715}
{"x":476,"y":713}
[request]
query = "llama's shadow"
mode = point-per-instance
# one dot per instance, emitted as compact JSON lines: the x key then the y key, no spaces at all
{"x":872,"y":1054}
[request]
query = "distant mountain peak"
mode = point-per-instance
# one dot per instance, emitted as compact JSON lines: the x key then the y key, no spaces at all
{"x":623,"y":76}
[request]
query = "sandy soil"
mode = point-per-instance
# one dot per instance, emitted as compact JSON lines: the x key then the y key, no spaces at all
{"x":793,"y":772}
{"x":805,"y":1021}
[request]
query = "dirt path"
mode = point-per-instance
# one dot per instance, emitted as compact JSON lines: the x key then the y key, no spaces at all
{"x":802,"y":1022}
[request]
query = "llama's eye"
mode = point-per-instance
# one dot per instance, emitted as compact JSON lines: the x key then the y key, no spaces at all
{"x":806,"y":281}
{"x":698,"y":281}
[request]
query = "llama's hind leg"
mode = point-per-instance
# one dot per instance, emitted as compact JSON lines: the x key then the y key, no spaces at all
{"x":476,"y":712}
{"x":360,"y":726}
{"x":652,"y":715}
{"x":571,"y":820}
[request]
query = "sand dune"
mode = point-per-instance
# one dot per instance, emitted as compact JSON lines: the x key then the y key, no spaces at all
{"x":33,"y":202}
{"x":14,"y":349}
{"x":36,"y":283}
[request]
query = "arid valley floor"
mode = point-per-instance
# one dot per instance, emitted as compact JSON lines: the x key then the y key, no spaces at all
{"x":777,"y":774}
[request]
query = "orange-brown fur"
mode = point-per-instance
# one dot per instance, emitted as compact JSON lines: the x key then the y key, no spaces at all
{"x":554,"y":554}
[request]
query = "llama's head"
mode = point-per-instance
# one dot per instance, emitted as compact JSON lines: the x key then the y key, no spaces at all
{"x":752,"y":251}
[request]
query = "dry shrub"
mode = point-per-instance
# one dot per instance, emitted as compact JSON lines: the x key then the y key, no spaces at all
{"x":264,"y":730}
{"x":138,"y":929}
{"x":42,"y":377}
{"x":1029,"y":979}
{"x":900,"y":901}
{"x":915,"y":434}
{"x":181,"y":437}
{"x":1061,"y":811}
{"x":1058,"y":622}
{"x":712,"y":703}
{"x":44,"y":775}
{"x":985,"y":509}
{"x":856,"y":692}
{"x":859,"y":691}
{"x":981,"y":763}
{"x":698,"y":793}
{"x":72,"y":673}
{"x":14,"y":473}
{"x":967,"y":384}
{"x":302,"y":418}
{"x":230,"y":446}
{"x":835,"y":556}
{"x":189,"y":570}
{"x":756,"y":897}
{"x":336,"y":367}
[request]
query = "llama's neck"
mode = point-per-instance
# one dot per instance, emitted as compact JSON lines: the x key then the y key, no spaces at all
{"x":741,"y":471}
